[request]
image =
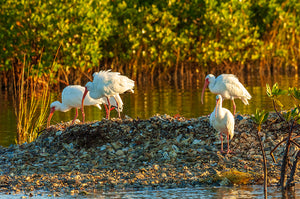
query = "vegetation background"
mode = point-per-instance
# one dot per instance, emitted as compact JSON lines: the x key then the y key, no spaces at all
{"x":66,"y":41}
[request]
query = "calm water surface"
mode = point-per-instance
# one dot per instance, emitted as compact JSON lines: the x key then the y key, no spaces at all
{"x":162,"y":98}
{"x":210,"y":192}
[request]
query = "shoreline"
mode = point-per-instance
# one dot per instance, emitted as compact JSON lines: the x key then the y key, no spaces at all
{"x":159,"y":152}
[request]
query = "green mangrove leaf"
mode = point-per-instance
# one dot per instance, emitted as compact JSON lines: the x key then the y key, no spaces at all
{"x":287,"y":116}
{"x":294,"y":92}
{"x":275,"y":88}
{"x":276,"y":91}
{"x":278,"y":103}
{"x":295,"y":113}
{"x":269,"y":92}
{"x":281,"y":92}
{"x":265,"y":117}
{"x":260,"y":116}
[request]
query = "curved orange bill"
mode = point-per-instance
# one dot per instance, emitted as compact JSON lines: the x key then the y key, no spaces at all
{"x":82,"y":103}
{"x":204,"y":87}
{"x":50,"y":116}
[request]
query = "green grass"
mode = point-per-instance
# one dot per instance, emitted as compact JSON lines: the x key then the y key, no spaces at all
{"x":31,"y":101}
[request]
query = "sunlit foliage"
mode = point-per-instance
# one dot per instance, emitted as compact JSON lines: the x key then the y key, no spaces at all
{"x":149,"y":37}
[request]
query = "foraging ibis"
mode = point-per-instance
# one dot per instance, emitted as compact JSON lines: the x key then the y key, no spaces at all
{"x":108,"y":84}
{"x":228,"y":86}
{"x":71,"y":98}
{"x":223,"y":121}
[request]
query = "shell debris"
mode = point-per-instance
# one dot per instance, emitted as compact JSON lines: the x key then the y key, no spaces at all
{"x":134,"y":153}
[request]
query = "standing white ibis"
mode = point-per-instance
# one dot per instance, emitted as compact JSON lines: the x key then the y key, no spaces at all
{"x":71,"y":98}
{"x":223,"y":121}
{"x":108,"y":84}
{"x":228,"y":86}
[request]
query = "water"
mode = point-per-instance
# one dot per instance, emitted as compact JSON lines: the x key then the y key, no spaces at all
{"x":8,"y":122}
{"x":162,"y":98}
{"x":209,"y":192}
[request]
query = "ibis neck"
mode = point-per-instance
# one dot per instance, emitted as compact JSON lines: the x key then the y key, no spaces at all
{"x":211,"y":84}
{"x":219,"y":111}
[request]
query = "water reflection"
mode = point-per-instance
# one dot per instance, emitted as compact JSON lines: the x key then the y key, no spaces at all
{"x":235,"y":192}
{"x":182,"y":98}
{"x":205,"y":192}
{"x":8,"y":123}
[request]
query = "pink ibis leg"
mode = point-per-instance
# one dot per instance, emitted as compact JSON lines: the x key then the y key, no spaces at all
{"x":108,"y":115}
{"x":106,"y":110}
{"x":234,"y":107}
{"x":228,"y":151}
{"x":221,"y":137}
{"x":82,"y":104}
{"x":83,"y":115}
{"x":76,"y":115}
{"x":118,"y":108}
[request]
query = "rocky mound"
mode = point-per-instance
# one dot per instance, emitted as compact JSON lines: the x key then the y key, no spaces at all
{"x":158,"y":152}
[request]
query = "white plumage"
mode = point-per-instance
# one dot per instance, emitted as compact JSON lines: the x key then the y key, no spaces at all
{"x":71,"y":98}
{"x":108,"y":84}
{"x":223,"y":121}
{"x":228,"y":86}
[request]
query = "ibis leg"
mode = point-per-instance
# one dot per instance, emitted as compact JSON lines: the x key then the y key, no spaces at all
{"x":76,"y":115}
{"x":108,"y":115}
{"x":228,"y":151}
{"x":234,"y":107}
{"x":118,"y":108}
{"x":221,"y":138}
{"x":106,"y":110}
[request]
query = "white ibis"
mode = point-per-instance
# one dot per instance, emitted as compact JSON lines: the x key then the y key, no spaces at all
{"x":71,"y":98}
{"x":223,"y":121}
{"x":108,"y":84}
{"x":228,"y":86}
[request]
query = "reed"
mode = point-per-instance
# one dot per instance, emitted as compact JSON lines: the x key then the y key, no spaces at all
{"x":31,"y":99}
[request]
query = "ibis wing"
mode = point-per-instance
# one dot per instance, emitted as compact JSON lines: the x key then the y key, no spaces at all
{"x":230,"y":83}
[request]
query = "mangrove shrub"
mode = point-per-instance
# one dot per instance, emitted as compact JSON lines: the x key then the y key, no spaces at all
{"x":143,"y":38}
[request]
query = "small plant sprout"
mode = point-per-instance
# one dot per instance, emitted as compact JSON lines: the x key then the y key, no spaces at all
{"x":259,"y":118}
{"x":274,"y":94}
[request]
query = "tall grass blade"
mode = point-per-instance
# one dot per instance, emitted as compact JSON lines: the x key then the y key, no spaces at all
{"x":30,"y":104}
